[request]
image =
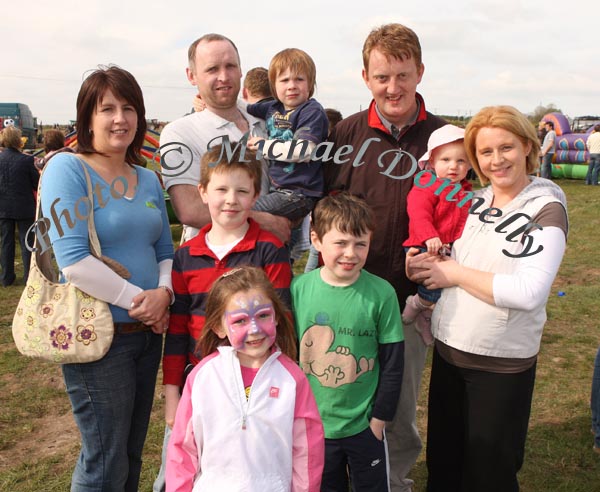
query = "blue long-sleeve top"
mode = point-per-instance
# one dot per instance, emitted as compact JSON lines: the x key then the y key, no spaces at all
{"x":133,"y":231}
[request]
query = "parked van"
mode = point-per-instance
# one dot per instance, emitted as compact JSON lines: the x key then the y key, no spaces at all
{"x":19,"y":115}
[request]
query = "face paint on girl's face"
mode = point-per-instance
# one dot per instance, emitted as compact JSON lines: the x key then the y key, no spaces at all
{"x":253,"y":317}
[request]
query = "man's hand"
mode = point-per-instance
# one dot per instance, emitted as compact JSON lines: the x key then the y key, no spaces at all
{"x":188,"y":205}
{"x":280,"y":226}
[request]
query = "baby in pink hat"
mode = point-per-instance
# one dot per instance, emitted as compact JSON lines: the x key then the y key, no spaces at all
{"x":437,"y":211}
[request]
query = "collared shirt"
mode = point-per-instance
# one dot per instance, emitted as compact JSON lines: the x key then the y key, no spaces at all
{"x":393,"y":129}
{"x":184,"y":141}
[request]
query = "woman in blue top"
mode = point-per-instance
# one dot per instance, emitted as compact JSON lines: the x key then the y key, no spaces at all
{"x":112,"y":397}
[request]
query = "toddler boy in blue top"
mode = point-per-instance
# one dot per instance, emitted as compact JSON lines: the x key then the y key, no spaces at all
{"x":296,"y":124}
{"x":351,"y":346}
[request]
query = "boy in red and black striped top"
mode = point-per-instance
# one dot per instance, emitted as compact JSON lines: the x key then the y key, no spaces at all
{"x":229,"y":185}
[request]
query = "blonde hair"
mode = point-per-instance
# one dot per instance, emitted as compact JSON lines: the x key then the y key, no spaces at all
{"x":243,"y":279}
{"x":506,"y":118}
{"x":298,"y":62}
{"x":11,"y":138}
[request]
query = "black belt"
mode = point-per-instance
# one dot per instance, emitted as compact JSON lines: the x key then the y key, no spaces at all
{"x":127,"y":328}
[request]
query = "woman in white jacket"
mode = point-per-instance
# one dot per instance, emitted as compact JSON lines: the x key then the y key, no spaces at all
{"x":488,"y":323}
{"x":247,"y":419}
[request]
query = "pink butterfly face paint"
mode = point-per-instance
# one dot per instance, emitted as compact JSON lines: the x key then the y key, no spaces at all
{"x":249,"y":319}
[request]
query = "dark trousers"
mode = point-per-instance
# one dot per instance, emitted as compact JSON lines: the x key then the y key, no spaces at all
{"x":477,"y":426}
{"x":7,"y":251}
{"x":363,"y":456}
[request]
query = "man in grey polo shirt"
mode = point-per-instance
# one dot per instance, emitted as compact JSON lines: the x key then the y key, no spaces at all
{"x":214,"y":68}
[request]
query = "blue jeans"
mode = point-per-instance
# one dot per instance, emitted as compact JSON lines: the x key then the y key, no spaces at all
{"x":547,"y":166}
{"x":111,"y":400}
{"x":591,"y":177}
{"x":313,"y":260}
{"x":7,"y":253}
{"x":596,"y":400}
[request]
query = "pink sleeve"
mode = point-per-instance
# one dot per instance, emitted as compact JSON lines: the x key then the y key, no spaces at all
{"x":182,"y":454}
{"x":308,"y":453}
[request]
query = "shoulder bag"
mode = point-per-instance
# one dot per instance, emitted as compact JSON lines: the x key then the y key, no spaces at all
{"x":55,"y":321}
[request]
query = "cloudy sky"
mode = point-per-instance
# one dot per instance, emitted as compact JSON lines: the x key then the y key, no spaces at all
{"x":476,"y":53}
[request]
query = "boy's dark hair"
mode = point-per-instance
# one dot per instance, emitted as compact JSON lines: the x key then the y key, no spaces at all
{"x":348,"y":213}
{"x":550,"y":124}
{"x":334,"y":117}
{"x":216,"y":160}
{"x":53,"y":140}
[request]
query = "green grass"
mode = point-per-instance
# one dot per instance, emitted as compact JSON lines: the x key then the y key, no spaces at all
{"x":34,"y":407}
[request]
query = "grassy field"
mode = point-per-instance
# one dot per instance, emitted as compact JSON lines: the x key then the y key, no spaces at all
{"x":39,"y":442}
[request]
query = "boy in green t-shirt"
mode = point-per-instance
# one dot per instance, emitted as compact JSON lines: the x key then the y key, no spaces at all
{"x":351,"y":345}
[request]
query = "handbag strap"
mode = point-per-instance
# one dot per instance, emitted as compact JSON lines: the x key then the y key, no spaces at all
{"x":95,"y":248}
{"x":44,"y":261}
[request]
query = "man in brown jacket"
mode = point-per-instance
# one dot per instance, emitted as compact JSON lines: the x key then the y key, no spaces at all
{"x":386,"y":141}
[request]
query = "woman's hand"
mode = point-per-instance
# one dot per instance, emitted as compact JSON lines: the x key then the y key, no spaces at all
{"x":162,"y":325}
{"x":415,"y":261}
{"x":150,"y":307}
{"x":437,"y":274}
{"x":440,"y":272}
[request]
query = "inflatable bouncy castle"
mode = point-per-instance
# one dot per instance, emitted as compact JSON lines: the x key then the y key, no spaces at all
{"x":571,"y":157}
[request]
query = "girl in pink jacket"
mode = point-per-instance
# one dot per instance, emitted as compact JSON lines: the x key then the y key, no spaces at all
{"x":247,"y":419}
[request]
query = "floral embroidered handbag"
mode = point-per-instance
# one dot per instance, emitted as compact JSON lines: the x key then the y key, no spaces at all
{"x":58,"y":322}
